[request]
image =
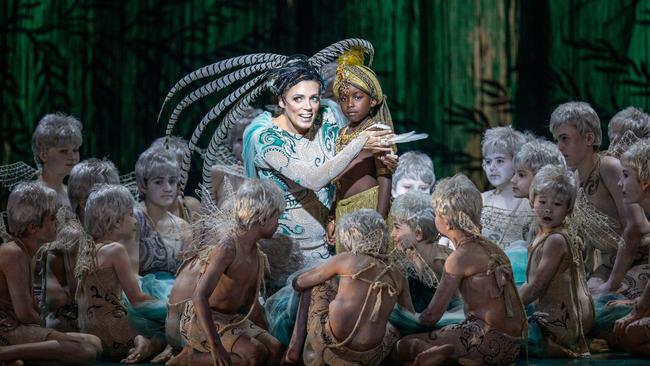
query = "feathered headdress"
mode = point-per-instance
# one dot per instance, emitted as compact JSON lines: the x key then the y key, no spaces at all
{"x":251,"y":70}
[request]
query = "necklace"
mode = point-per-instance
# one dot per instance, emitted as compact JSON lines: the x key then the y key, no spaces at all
{"x":346,"y":136}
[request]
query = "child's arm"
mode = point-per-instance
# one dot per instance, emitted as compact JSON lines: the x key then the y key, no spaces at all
{"x":15,"y":266}
{"x":319,"y":274}
{"x":221,"y":256}
{"x":404,"y":298}
{"x":555,"y":248}
{"x":385,"y":184}
{"x":57,"y":295}
{"x":632,"y":220}
{"x":119,"y":259}
{"x":446,"y":290}
{"x":611,"y":172}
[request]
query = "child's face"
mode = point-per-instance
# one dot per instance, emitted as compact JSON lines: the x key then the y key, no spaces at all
{"x":521,"y":182}
{"x":355,"y":103}
{"x":60,"y":159}
{"x":47,"y":231}
{"x":407,"y":184}
{"x":550,"y":210}
{"x":631,"y":186}
{"x":498,"y":168}
{"x":574,"y":147}
{"x":126,"y":226}
{"x":403,"y":235}
{"x":161,"y":190}
{"x":270,"y":226}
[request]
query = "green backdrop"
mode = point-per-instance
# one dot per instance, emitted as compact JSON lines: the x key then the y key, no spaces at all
{"x":451,"y":68}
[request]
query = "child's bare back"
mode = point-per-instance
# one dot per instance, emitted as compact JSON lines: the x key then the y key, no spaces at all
{"x":355,"y":292}
{"x":479,"y":282}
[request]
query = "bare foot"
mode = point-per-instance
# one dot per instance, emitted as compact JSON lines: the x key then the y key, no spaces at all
{"x":164,"y":356}
{"x":597,"y":345}
{"x":435,"y":355}
{"x":144,"y":348}
{"x":183,"y":358}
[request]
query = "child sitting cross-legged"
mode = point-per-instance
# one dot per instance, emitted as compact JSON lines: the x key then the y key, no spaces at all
{"x":105,"y":273}
{"x":31,"y":217}
{"x":556,"y":283}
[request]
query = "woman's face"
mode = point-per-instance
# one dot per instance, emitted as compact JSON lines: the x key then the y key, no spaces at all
{"x":300,"y":104}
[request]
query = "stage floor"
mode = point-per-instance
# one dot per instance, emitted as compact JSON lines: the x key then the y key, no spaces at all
{"x":619,"y":359}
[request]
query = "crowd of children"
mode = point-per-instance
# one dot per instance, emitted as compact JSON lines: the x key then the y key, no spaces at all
{"x":361,"y":258}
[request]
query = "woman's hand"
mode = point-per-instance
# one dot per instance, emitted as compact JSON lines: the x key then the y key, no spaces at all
{"x":378,"y":141}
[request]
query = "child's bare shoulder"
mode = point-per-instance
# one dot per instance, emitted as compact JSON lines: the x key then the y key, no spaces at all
{"x":225,"y":248}
{"x":610,"y":165}
{"x":111,"y":248}
{"x":555,"y":243}
{"x":10,"y":252}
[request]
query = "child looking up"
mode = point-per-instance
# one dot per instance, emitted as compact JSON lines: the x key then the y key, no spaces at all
{"x":556,"y":284}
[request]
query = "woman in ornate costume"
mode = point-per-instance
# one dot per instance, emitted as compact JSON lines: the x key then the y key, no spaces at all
{"x":296,"y":150}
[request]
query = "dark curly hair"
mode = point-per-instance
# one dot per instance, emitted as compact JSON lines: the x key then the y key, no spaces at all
{"x":296,"y":69}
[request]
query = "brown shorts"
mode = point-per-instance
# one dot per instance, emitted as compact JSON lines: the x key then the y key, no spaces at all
{"x":194,"y":337}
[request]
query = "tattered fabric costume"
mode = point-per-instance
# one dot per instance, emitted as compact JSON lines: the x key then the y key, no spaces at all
{"x":229,"y":326}
{"x":601,"y":232}
{"x":566,"y":300}
{"x":322,"y":347}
